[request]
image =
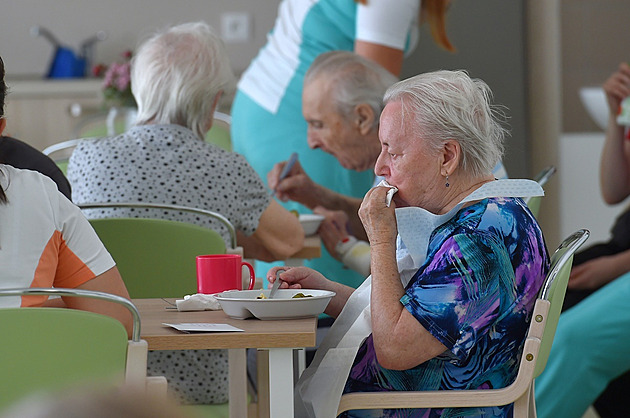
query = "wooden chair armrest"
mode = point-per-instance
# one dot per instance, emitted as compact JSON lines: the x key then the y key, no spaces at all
{"x":451,"y":398}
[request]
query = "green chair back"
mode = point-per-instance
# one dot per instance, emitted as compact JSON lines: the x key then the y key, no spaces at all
{"x":533,"y":203}
{"x":156,"y":257}
{"x":219,"y":134}
{"x":54,"y":348}
{"x":60,"y":153}
{"x":554,"y":289}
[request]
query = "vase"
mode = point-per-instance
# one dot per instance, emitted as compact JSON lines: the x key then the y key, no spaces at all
{"x":120,"y":119}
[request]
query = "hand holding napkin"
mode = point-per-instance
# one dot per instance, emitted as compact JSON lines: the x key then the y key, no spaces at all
{"x":390,"y":192}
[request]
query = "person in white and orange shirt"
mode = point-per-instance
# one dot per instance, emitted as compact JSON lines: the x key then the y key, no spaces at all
{"x":45,"y":241}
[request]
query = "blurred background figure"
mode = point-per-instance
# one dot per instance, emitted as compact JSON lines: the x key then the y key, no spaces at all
{"x":95,"y":401}
{"x":19,"y":154}
{"x":589,"y":361}
{"x":45,"y":241}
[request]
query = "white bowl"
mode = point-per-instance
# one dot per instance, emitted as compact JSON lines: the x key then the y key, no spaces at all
{"x":243,"y":304}
{"x":594,"y":101}
{"x":310,"y":222}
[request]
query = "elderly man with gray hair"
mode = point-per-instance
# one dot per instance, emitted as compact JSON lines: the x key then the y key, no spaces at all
{"x":342,"y":101}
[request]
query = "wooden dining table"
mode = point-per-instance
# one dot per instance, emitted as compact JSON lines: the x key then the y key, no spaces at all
{"x":279,"y":338}
{"x":312,"y":248}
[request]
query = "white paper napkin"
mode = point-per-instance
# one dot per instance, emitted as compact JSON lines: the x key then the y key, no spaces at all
{"x":198,"y":302}
{"x":202,"y":327}
{"x":390,"y":192}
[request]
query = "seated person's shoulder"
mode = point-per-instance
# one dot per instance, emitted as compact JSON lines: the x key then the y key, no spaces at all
{"x":19,"y":154}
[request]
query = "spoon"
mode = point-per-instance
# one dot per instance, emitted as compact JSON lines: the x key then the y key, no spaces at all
{"x":276,"y":285}
{"x":285,"y":171}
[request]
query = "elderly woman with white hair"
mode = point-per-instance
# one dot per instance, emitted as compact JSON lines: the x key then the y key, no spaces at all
{"x":457,"y":259}
{"x":178,"y":76}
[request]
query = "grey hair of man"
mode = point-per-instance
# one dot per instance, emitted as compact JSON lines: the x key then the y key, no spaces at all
{"x":356,"y":80}
{"x":446,"y":105}
{"x":176,"y":75}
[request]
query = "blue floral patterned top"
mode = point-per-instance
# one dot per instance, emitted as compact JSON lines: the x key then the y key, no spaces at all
{"x":475,"y":294}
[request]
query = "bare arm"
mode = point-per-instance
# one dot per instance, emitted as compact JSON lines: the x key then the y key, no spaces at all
{"x":278,"y":236}
{"x":299,"y":187}
{"x":615,"y":159}
{"x":390,"y":58}
{"x":599,"y":271}
{"x":306,"y":278}
{"x":108,"y":282}
{"x":400,"y":341}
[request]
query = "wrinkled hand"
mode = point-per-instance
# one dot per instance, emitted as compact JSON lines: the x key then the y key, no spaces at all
{"x":617,"y":87}
{"x":296,"y":186}
{"x":378,"y":220}
{"x":593,"y":274}
{"x":297,"y":278}
{"x":333,"y":229}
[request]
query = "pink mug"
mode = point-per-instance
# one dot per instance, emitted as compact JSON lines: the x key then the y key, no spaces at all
{"x":219,"y":272}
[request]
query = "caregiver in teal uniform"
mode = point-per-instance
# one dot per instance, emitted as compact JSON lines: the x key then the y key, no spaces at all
{"x":267,"y":122}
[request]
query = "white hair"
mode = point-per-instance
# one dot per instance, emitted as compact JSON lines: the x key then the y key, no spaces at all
{"x":355,"y":79}
{"x":447,"y":105}
{"x":176,"y":75}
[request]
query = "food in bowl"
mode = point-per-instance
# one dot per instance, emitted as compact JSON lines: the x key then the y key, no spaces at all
{"x":310,"y":222}
{"x":243,"y":304}
{"x":297,"y":295}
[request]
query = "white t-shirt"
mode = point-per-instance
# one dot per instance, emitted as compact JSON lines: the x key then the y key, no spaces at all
{"x":303,"y":30}
{"x":45,"y":241}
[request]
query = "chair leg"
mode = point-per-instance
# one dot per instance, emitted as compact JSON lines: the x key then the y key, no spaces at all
{"x":157,"y":386}
{"x":522,"y":404}
{"x":263,"y":383}
{"x":532,"y":401}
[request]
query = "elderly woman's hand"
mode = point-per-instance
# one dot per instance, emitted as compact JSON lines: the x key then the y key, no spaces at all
{"x":297,"y":278}
{"x":306,"y":278}
{"x":378,"y":220}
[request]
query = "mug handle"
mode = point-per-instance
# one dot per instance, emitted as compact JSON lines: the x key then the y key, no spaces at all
{"x":252,"y":276}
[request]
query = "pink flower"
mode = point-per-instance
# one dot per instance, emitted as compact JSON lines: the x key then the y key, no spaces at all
{"x":117,"y":82}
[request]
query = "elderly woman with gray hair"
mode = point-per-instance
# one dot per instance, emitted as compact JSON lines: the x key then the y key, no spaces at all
{"x":457,"y":259}
{"x":178,"y":76}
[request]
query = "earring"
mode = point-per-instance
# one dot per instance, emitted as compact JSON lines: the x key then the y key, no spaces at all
{"x":447,"y":183}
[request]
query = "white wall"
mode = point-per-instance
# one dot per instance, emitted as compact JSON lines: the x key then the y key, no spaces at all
{"x":581,"y":204}
{"x":125,"y":21}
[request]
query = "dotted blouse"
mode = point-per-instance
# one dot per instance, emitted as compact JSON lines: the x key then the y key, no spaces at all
{"x":169,"y":164}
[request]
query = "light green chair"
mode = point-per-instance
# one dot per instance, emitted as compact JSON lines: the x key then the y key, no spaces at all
{"x":156,"y":257}
{"x":533,"y":358}
{"x":60,"y":153}
{"x":49,"y":349}
{"x":219,"y":134}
